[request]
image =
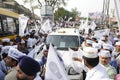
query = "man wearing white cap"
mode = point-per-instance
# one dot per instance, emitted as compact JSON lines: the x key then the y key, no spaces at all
{"x":5,"y":41}
{"x":104,"y":40}
{"x":31,"y":42}
{"x":107,"y":40}
{"x":105,"y":58}
{"x":12,"y":61}
{"x":4,"y":53}
{"x":95,"y":70}
{"x":84,"y":42}
{"x":116,"y":51}
{"x":108,"y":47}
{"x":116,"y":54}
{"x":21,"y":47}
{"x":95,"y":43}
{"x":88,"y":43}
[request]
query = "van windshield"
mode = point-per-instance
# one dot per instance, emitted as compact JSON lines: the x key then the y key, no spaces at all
{"x":63,"y":42}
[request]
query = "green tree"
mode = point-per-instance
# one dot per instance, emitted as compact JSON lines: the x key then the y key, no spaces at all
{"x":61,"y":12}
{"x":55,"y":3}
{"x":74,"y":13}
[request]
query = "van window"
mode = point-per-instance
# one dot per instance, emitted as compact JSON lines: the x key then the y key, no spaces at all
{"x":63,"y":42}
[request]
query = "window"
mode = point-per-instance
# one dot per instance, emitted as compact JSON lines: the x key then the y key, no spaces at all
{"x":0,"y":26}
{"x":63,"y":42}
{"x":11,"y":25}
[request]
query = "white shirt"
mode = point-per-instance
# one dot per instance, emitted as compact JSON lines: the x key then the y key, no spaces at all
{"x":97,"y":73}
{"x":31,"y":42}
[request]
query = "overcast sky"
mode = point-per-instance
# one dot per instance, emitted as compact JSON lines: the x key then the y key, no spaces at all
{"x":84,"y":6}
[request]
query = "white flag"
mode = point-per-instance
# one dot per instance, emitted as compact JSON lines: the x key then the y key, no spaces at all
{"x":54,"y":68}
{"x":69,"y":19}
{"x":47,"y":26}
{"x":93,"y":25}
{"x":81,"y":27}
{"x":86,"y":23}
{"x":80,"y":53}
{"x":33,"y":53}
{"x":67,"y":58}
{"x":22,"y":24}
{"x":86,"y":26}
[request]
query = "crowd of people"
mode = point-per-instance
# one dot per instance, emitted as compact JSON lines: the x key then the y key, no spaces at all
{"x":15,"y":64}
{"x":101,"y":57}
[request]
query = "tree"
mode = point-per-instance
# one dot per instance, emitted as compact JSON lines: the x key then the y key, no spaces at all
{"x":33,"y":6}
{"x":55,"y":3}
{"x":75,"y":12}
{"x":62,"y":13}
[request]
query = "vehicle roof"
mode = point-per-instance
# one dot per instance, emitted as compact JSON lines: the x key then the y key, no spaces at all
{"x":65,"y":31}
{"x":8,"y":13}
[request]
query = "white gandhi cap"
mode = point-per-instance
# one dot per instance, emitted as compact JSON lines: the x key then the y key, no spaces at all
{"x":90,"y":52}
{"x":108,"y":47}
{"x":105,"y":53}
{"x":89,"y":42}
{"x":6,"y":40}
{"x":117,"y":43}
{"x":15,"y":54}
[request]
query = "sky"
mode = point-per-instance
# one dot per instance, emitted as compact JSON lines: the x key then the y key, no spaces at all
{"x":84,"y":6}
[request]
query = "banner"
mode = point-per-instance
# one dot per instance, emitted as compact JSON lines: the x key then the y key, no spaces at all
{"x":22,"y":24}
{"x":100,"y":33}
{"x":54,"y":68}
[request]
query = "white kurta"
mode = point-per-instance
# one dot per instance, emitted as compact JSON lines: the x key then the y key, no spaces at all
{"x":97,"y":73}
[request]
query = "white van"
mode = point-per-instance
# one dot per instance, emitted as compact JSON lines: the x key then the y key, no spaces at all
{"x":63,"y":39}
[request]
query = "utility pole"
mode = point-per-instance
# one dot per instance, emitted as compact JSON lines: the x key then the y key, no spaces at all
{"x":105,"y":13}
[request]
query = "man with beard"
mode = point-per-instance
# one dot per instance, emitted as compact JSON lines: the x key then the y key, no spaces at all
{"x":105,"y":58}
{"x":27,"y":69}
{"x":91,"y":61}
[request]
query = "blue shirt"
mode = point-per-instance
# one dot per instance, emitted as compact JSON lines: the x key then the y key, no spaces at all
{"x":43,"y":60}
